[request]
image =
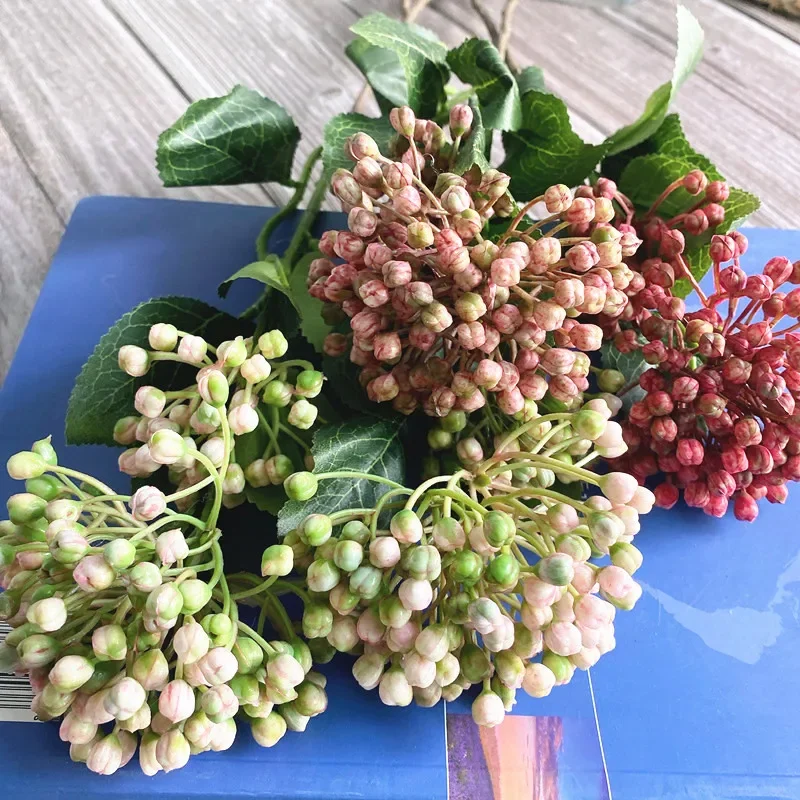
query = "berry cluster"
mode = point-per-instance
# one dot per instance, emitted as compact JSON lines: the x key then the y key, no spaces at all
{"x":241,"y":386}
{"x":443,"y":318}
{"x":718,"y":418}
{"x":476,"y":579}
{"x":119,"y":633}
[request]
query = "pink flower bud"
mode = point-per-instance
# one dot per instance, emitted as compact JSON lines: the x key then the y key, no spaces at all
{"x":403,"y":120}
{"x":415,"y":595}
{"x":384,"y":552}
{"x":722,"y":248}
{"x":436,"y":317}
{"x":545,"y":252}
{"x":368,"y":670}
{"x":387,"y":347}
{"x":614,"y":582}
{"x":618,"y":487}
{"x":695,"y":182}
{"x":147,"y":503}
{"x":538,"y":680}
{"x":124,"y":698}
{"x":488,"y":710}
{"x":93,"y":574}
{"x":173,"y":750}
{"x":505,"y":272}
{"x":557,"y":198}
{"x":105,"y":756}
{"x":177,"y":701}
{"x":460,"y":119}
{"x":581,"y":211}
{"x":192,"y":349}
{"x":76,"y":730}
{"x":218,"y":666}
{"x":49,"y":614}
{"x":563,"y":639}
{"x":383,"y":388}
{"x":548,"y":316}
{"x":133,"y":360}
{"x":171,"y":547}
{"x":394,"y":689}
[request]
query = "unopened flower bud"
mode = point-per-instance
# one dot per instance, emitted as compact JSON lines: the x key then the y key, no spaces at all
{"x":93,"y":574}
{"x":49,"y":614}
{"x":147,"y":503}
{"x":301,"y":486}
{"x":133,"y":360}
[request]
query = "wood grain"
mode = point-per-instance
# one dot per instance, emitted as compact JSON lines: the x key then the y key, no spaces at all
{"x":787,"y":26}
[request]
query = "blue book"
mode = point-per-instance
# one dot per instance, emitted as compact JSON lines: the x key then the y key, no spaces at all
{"x":698,"y":700}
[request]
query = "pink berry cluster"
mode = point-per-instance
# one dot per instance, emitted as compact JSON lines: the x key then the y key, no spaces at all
{"x":442,"y":318}
{"x":241,"y":386}
{"x":718,"y":419}
{"x":475,"y":581}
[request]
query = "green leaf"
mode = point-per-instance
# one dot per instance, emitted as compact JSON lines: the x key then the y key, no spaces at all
{"x":646,"y":177}
{"x":242,"y":137}
{"x":103,"y":392}
{"x":479,"y":63}
{"x":546,"y":150}
{"x":531,"y":79}
{"x":341,"y":127}
{"x":383,"y":71}
{"x":738,"y":207}
{"x":270,"y":271}
{"x":687,"y":57}
{"x":631,"y":365}
{"x":370,"y":446}
{"x":312,"y":325}
{"x":474,"y":146}
{"x":424,"y":59}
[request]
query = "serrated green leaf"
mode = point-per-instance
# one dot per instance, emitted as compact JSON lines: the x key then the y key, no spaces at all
{"x":698,"y":259}
{"x":270,"y":272}
{"x":631,"y":365}
{"x":341,"y":127}
{"x":242,"y":137}
{"x":383,"y":71}
{"x":546,"y":150}
{"x":646,"y":177}
{"x":474,"y":146}
{"x":687,"y":57}
{"x":312,"y":325}
{"x":738,"y":207}
{"x":103,"y":392}
{"x":530,"y":79}
{"x":478,"y":62}
{"x":423,"y":58}
{"x":366,"y":445}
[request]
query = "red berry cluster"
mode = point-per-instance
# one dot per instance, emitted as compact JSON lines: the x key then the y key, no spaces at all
{"x":440,"y":316}
{"x":718,"y":418}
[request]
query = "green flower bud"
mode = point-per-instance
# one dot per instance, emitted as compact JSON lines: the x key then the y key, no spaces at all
{"x":317,"y":621}
{"x":25,"y":507}
{"x":322,"y":575}
{"x":556,"y":569}
{"x":626,"y":556}
{"x":278,"y":559}
{"x":509,"y":668}
{"x":610,"y":380}
{"x":233,"y":353}
{"x":119,"y":553}
{"x":268,"y":731}
{"x":64,"y":509}
{"x":467,"y":567}
{"x":109,"y":643}
{"x":38,"y":650}
{"x":574,"y":546}
{"x":26,"y":465}
{"x":45,"y":449}
{"x":303,"y":414}
{"x":356,"y":531}
{"x":503,"y":570}
{"x":406,"y":526}
{"x":315,"y":529}
{"x":207,"y":416}
{"x":507,"y":694}
{"x":47,"y":487}
{"x":273,"y":344}
{"x":326,"y":549}
{"x":439,"y":439}
{"x":54,"y":701}
{"x":311,"y":699}
{"x":365,"y":582}
{"x":248,"y":654}
{"x":422,"y":562}
{"x":104,"y":671}
{"x":151,"y":670}
{"x":145,"y":576}
{"x":69,"y":673}
{"x":456,"y":608}
{"x":217,"y":626}
{"x":245,"y":688}
{"x":524,"y":645}
{"x":309,"y":383}
{"x":498,"y":528}
{"x":560,"y":666}
{"x":278,"y":469}
{"x":348,"y":555}
{"x":475,"y":664}
{"x":277,"y":393}
{"x":43,"y":593}
{"x":454,"y":422}
{"x":322,"y":650}
{"x":392,"y":612}
{"x":196,"y":595}
{"x":605,"y":528}
{"x":16,"y":635}
{"x":213,"y":388}
{"x":588,"y":424}
{"x":301,"y":486}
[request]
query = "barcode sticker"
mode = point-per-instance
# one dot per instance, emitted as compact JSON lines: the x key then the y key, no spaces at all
{"x":15,"y":692}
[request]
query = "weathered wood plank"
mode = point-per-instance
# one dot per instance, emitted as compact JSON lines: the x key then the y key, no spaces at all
{"x":29,"y":235}
{"x":84,"y":102}
{"x":783,"y":24}
{"x":292,"y":52}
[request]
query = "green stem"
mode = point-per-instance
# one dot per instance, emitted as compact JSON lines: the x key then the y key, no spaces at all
{"x":303,"y":229}
{"x":262,"y":243}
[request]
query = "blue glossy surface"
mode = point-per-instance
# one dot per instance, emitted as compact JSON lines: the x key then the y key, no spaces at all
{"x":116,"y":253}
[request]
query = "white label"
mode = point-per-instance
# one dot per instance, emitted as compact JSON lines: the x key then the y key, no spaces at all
{"x":15,"y":692}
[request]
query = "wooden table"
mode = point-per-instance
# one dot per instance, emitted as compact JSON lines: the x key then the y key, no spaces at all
{"x":86,"y":86}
